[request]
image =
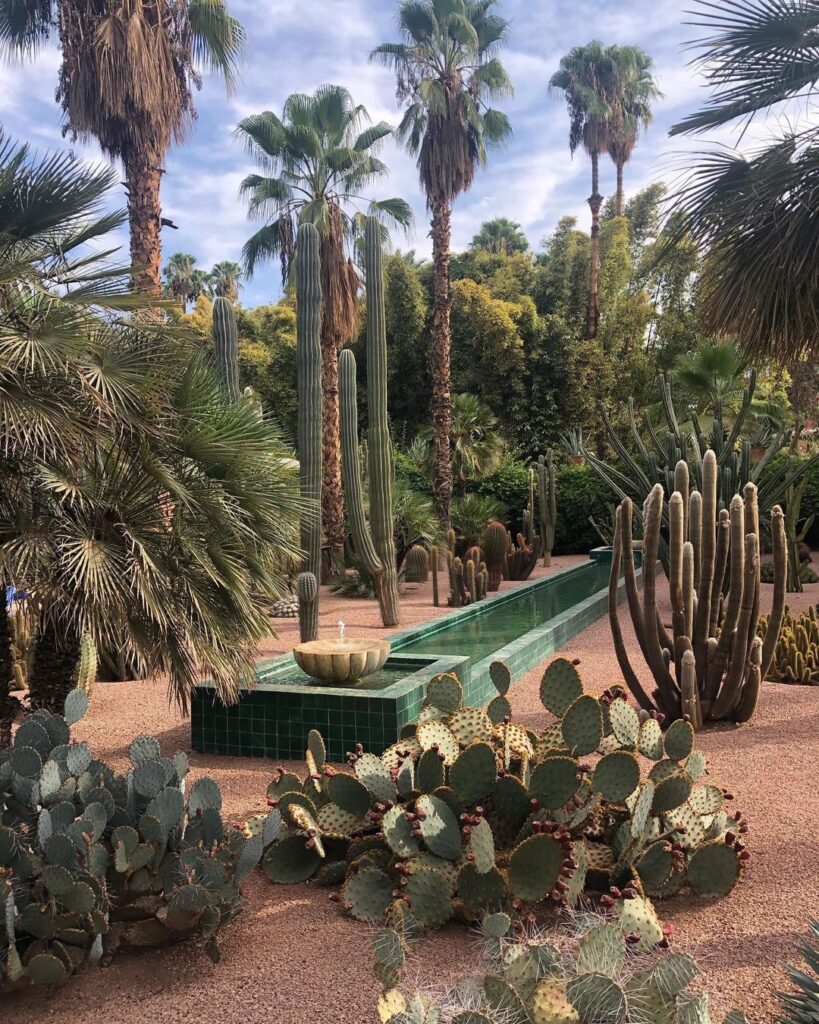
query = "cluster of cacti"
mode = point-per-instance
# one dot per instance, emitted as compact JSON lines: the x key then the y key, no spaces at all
{"x":308,"y":356}
{"x":712,"y":662}
{"x":416,"y":564}
{"x":521,"y":558}
{"x":587,"y":970}
{"x":22,"y":643}
{"x":642,"y":465}
{"x":91,"y":860}
{"x":374,"y":540}
{"x":226,"y":347}
{"x":547,"y":504}
{"x":285,"y":607}
{"x":468,"y":580}
{"x":796,"y":654}
{"x":767,"y":573}
{"x":470,"y":813}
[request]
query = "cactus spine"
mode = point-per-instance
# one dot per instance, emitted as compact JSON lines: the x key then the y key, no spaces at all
{"x":712,"y":664}
{"x":308,"y":354}
{"x":226,"y":347}
{"x":547,"y":504}
{"x":375,"y":544}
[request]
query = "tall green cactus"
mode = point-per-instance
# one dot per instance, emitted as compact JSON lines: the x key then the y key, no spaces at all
{"x":308,"y":355}
{"x":712,"y":663}
{"x":547,"y":504}
{"x":375,"y":542}
{"x":226,"y":347}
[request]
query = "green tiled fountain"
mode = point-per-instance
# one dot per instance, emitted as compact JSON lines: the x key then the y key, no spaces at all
{"x":521,"y":627}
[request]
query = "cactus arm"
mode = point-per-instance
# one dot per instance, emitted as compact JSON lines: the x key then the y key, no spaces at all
{"x":654,"y":652}
{"x":775,"y":619}
{"x":675,"y":580}
{"x":308,"y":353}
{"x":738,"y":665}
{"x":380,"y":443}
{"x":690,"y":698}
{"x":720,"y":566}
{"x":635,"y":433}
{"x":750,"y":691}
{"x":747,"y":399}
{"x":719,"y":659}
{"x":226,"y":347}
{"x":707,"y":560}
{"x":629,"y":674}
{"x":433,"y":554}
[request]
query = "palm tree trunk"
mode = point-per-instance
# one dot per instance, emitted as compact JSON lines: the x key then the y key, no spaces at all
{"x":142,"y":182}
{"x":621,"y":195}
{"x":440,"y":362}
{"x":8,"y":705}
{"x":595,"y":202}
{"x":56,"y":654}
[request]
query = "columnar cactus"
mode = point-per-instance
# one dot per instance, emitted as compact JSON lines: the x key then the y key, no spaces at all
{"x":375,"y":542}
{"x":495,"y":545}
{"x":433,"y":554}
{"x":307,"y":589}
{"x":308,"y":355}
{"x":712,"y":664}
{"x":226,"y":347}
{"x":547,"y":504}
{"x":521,"y":560}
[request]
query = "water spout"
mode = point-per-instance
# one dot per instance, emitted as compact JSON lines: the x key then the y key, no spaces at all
{"x":340,"y":631}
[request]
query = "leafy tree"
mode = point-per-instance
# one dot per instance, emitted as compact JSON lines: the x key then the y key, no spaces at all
{"x":500,"y":235}
{"x":562,"y":285}
{"x":136,"y":506}
{"x":756,"y":216}
{"x":636,"y":89}
{"x":589,"y":79}
{"x":317,"y":158}
{"x":127,"y":78}
{"x":446,"y":66}
{"x":409,"y":380}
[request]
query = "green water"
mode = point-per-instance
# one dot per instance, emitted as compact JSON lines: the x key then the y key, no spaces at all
{"x":480,"y":635}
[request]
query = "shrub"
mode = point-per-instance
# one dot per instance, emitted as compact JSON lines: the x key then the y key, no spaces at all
{"x":90,"y":860}
{"x":580,"y":494}
{"x":472,"y":813}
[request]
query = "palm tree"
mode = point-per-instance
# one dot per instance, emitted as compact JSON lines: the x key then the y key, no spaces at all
{"x":637,"y":88}
{"x":316,"y":159}
{"x":184,"y":281}
{"x":478,"y":446}
{"x":588,"y":78}
{"x":446,"y":67}
{"x":226,"y":279}
{"x":500,"y":236}
{"x":127,"y":78}
{"x":137,"y":506}
{"x":756,"y":216}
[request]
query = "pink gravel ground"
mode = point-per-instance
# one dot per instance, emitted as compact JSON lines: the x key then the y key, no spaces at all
{"x":292,"y":958}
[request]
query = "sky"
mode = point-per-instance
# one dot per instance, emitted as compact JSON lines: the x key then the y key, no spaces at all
{"x":297,"y":46}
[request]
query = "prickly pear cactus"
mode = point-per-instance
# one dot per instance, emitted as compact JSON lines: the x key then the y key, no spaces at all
{"x":584,"y":971}
{"x":470,"y":813}
{"x":91,"y":860}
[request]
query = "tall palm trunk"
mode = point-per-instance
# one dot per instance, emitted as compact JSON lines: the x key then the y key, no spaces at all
{"x":8,"y":705}
{"x":440,"y":362}
{"x":339,"y":287}
{"x":595,"y":203}
{"x":621,"y":195}
{"x":142,"y":182}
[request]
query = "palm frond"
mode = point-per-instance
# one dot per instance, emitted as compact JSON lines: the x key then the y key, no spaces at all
{"x":218,"y":40}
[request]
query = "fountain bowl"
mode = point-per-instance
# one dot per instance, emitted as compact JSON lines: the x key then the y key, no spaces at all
{"x":334,"y":661}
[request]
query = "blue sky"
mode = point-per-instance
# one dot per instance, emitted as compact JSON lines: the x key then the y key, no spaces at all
{"x":297,"y":46}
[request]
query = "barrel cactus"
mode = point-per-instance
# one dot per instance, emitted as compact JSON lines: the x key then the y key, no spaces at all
{"x":308,"y":355}
{"x":522,"y":558}
{"x":91,"y":860}
{"x":416,"y":564}
{"x":226,"y":347}
{"x":495,"y":545}
{"x":374,"y":540}
{"x":471,"y":813}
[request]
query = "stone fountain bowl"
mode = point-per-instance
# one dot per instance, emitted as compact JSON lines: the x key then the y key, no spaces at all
{"x":337,"y":662}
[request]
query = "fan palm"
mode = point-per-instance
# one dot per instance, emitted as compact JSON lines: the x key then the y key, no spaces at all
{"x":477,"y":444}
{"x":137,"y":506}
{"x":500,"y":236}
{"x":446,"y":67}
{"x":757,"y":217}
{"x":184,"y":281}
{"x":226,"y":279}
{"x":589,"y":79}
{"x":128,"y":72}
{"x":315,"y":160}
{"x":636,"y":90}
